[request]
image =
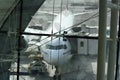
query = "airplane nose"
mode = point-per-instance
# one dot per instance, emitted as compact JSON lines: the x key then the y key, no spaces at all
{"x":57,"y":57}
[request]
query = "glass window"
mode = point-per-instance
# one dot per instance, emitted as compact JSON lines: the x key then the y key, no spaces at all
{"x":57,"y":47}
{"x":36,"y":27}
{"x":82,"y":44}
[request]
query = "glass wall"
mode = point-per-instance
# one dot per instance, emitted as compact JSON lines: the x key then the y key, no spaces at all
{"x":52,"y":40}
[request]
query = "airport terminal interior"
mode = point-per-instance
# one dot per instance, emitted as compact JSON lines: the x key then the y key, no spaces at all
{"x":59,"y":40}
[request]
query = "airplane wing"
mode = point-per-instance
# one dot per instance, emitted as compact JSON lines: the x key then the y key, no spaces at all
{"x":7,"y":60}
{"x":46,"y":12}
{"x":35,"y":29}
{"x":87,"y":12}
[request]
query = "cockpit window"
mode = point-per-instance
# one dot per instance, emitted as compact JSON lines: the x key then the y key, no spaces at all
{"x":57,"y":47}
{"x":36,"y":27}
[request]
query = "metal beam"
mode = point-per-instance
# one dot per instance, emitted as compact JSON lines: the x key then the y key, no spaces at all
{"x":118,"y":52}
{"x":113,"y":43}
{"x":2,"y":22}
{"x":102,"y":40}
{"x":19,"y":39}
{"x":113,"y":6}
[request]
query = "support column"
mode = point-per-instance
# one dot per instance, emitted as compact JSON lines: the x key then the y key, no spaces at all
{"x":113,"y":43}
{"x":19,"y":39}
{"x":102,"y":40}
{"x":118,"y":51}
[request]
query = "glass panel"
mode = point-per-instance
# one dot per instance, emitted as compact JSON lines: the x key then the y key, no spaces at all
{"x":58,"y":39}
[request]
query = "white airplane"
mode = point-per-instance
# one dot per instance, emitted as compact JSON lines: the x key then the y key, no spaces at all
{"x":55,"y":50}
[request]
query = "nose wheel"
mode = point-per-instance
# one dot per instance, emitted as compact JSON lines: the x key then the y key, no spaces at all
{"x":57,"y":75}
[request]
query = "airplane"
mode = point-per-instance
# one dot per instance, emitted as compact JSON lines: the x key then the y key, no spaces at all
{"x":56,"y":50}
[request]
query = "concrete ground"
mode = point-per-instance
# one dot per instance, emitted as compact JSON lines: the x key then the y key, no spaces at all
{"x":80,"y":67}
